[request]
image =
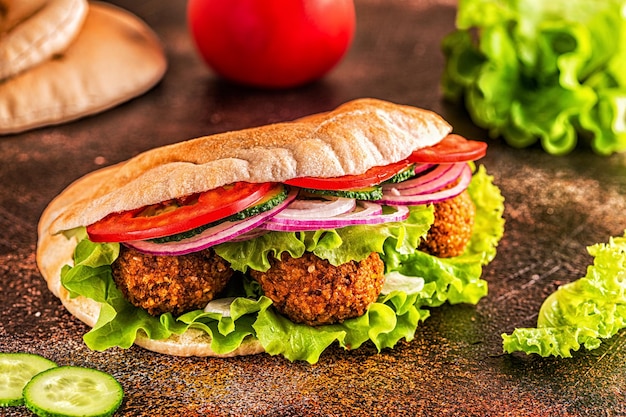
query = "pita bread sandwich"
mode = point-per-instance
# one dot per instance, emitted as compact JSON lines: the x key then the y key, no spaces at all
{"x":342,"y":228}
{"x":112,"y":58}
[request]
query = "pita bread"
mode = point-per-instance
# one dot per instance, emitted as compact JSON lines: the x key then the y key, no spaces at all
{"x":349,"y":140}
{"x":114,"y":58}
{"x":55,"y":251}
{"x":32,"y":31}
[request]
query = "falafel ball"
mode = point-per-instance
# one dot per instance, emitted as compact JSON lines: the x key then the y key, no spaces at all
{"x":452,"y":229}
{"x":176,"y":284}
{"x":312,"y":291}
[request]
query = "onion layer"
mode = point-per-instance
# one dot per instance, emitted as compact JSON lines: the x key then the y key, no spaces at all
{"x":318,"y":207}
{"x":366,"y":212}
{"x":419,"y":168}
{"x":416,"y":195}
{"x":439,"y":177}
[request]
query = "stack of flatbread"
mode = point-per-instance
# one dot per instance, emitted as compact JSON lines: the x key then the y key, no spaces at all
{"x":64,"y":59}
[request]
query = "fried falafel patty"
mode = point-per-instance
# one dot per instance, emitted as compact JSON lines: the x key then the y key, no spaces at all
{"x":452,"y":229}
{"x":312,"y":291}
{"x":176,"y":284}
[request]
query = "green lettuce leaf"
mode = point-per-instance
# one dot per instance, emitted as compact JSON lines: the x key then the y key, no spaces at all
{"x":582,"y":312}
{"x":420,"y":281}
{"x":547,"y":71}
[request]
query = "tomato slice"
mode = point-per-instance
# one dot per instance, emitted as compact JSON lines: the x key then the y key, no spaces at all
{"x":178,"y":215}
{"x":452,"y":148}
{"x":372,"y":176}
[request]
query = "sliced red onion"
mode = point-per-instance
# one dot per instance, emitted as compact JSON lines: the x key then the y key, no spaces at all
{"x":364,"y":209}
{"x":366,"y":212}
{"x":400,"y":198}
{"x":254,"y":233}
{"x":321,"y":206}
{"x":443,"y":176}
{"x":419,"y":168}
{"x":212,"y":236}
{"x":435,"y":174}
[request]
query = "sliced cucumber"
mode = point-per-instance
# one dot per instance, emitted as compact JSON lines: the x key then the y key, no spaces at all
{"x":405,"y":174}
{"x":369,"y":193}
{"x":68,"y":391}
{"x":16,"y":369}
{"x":273,"y":198}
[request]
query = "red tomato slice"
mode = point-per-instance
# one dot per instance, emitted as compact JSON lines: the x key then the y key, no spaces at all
{"x":372,"y":176}
{"x":452,"y":148}
{"x":178,"y":215}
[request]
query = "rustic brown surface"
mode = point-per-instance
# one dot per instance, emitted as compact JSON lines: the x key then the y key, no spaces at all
{"x":555,"y":207}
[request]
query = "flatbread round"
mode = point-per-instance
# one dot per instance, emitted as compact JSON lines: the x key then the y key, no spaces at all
{"x":349,"y":140}
{"x":32,"y":31}
{"x":114,"y":58}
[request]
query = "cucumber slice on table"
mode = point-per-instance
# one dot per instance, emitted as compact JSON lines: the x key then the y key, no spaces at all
{"x":68,"y":391}
{"x":16,"y":369}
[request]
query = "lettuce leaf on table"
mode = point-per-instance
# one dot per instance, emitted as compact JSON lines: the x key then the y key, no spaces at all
{"x":548,"y":71}
{"x":416,"y":282}
{"x":580,"y":313}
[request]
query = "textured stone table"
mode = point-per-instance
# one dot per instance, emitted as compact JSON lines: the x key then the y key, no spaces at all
{"x":555,"y":207}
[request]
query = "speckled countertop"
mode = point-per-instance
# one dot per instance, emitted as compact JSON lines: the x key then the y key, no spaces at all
{"x":555,"y":207}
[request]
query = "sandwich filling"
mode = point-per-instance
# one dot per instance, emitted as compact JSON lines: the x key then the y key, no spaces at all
{"x":344,"y":281}
{"x":226,"y":242}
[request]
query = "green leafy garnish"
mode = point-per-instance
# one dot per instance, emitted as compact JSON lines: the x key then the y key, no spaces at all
{"x":580,"y":313}
{"x":548,"y":71}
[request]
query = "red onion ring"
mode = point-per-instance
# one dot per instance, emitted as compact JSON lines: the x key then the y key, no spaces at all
{"x":442,"y":176}
{"x":366,"y":212}
{"x":365,"y":209}
{"x":398,"y":198}
{"x":419,"y":168}
{"x":320,"y":207}
{"x":439,"y":171}
{"x":254,"y":233}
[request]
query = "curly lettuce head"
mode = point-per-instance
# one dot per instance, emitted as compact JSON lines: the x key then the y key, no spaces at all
{"x":548,"y":71}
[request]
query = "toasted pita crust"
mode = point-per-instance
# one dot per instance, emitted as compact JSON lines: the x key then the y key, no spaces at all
{"x":349,"y":140}
{"x":32,"y":31}
{"x":114,"y":58}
